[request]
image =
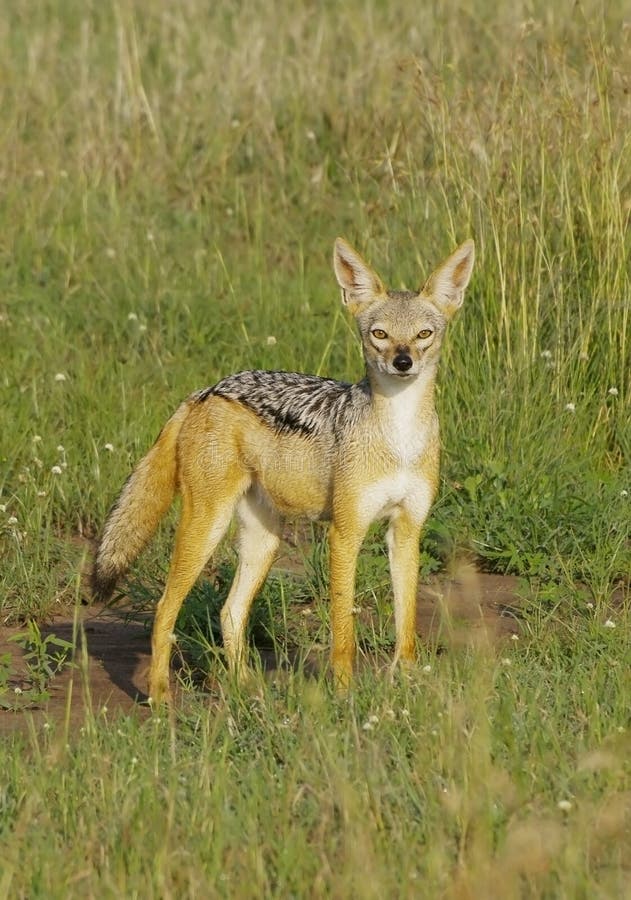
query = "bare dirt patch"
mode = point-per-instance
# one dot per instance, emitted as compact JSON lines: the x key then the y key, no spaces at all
{"x":110,"y":666}
{"x":109,"y":675}
{"x":472,"y":608}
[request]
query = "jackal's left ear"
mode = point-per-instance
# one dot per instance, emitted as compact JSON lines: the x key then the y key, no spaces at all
{"x":446,"y":285}
{"x":358,"y":281}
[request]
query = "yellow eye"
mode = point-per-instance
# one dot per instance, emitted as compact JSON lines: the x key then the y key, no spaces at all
{"x":379,"y":333}
{"x":425,"y":333}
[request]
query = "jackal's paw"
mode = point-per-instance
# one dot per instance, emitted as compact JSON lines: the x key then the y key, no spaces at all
{"x":243,"y":676}
{"x":342,"y":677}
{"x":159,"y":693}
{"x":402,"y":665}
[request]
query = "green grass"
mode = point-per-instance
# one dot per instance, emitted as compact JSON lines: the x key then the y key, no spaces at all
{"x":172,"y":178}
{"x":478,"y":773}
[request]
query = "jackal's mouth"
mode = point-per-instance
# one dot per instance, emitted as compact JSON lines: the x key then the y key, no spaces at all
{"x":390,"y":370}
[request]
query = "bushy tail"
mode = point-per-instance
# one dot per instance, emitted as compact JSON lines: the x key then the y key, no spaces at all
{"x":145,"y":498}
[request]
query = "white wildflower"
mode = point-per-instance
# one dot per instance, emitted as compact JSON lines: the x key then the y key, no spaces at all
{"x":610,"y":623}
{"x":570,"y":407}
{"x":109,"y":448}
{"x":613,"y":391}
{"x":564,"y":805}
{"x":110,"y":252}
{"x":427,"y":668}
{"x":271,"y":340}
{"x":624,"y":493}
{"x":546,"y":354}
{"x":12,"y":520}
{"x":56,"y":470}
{"x":527,"y":27}
{"x":370,"y":723}
{"x":132,"y":317}
{"x":37,"y":438}
{"x":60,"y":377}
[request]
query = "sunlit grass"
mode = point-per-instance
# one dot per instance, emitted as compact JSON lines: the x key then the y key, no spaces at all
{"x":172,"y":180}
{"x":170,"y":204}
{"x":480,"y":769}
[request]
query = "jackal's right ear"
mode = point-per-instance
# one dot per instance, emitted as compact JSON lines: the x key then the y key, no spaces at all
{"x":446,"y":285}
{"x":358,"y":281}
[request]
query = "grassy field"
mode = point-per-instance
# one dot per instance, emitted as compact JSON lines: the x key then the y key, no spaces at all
{"x":172,"y":178}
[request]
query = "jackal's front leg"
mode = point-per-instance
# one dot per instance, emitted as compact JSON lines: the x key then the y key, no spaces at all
{"x":344,"y":544}
{"x":403,"y":551}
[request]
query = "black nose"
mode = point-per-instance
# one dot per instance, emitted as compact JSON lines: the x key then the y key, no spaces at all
{"x":402,"y":362}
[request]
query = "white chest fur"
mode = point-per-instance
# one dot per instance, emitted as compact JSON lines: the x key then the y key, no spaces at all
{"x":404,"y":488}
{"x":406,"y":426}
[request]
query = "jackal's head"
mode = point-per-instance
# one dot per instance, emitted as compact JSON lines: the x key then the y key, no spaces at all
{"x":402,"y":331}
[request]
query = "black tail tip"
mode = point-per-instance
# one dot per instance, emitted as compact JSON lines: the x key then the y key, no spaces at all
{"x":101,"y":585}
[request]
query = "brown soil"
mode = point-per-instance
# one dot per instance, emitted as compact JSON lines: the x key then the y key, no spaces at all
{"x":110,"y":677}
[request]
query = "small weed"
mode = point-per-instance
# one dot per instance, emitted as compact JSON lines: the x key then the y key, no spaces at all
{"x":44,"y":657}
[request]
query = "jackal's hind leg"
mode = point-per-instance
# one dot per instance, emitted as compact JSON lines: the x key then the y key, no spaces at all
{"x":259,"y":537}
{"x":201,"y":527}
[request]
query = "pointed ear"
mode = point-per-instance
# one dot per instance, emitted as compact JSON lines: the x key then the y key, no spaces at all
{"x":446,"y":285}
{"x":358,"y":281}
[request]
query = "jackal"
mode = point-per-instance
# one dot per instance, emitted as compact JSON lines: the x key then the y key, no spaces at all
{"x":267,"y":445}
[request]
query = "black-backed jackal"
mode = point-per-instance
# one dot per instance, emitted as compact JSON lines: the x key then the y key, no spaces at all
{"x":267,"y":445}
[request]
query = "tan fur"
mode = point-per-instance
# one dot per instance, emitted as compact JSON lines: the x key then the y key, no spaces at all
{"x":145,"y":498}
{"x":379,"y":461}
